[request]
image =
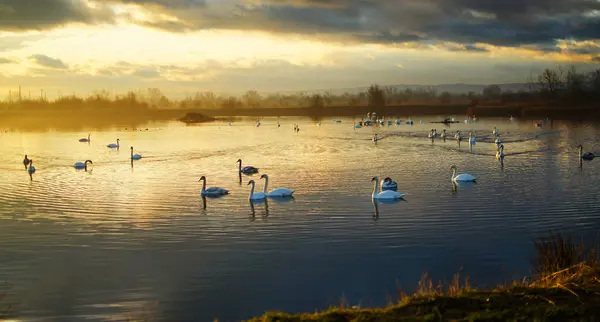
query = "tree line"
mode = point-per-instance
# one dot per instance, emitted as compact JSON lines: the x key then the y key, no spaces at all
{"x":560,"y":85}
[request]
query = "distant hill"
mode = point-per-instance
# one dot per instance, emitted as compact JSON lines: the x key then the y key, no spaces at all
{"x":452,"y":88}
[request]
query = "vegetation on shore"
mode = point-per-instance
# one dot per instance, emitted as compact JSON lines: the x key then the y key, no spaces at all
{"x":566,"y":288}
{"x":562,"y":86}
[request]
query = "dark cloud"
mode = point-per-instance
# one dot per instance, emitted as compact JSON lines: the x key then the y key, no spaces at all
{"x":49,"y":62}
{"x":502,"y":23}
{"x":18,"y":15}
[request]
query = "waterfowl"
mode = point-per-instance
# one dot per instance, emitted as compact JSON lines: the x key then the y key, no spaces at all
{"x":82,"y":165}
{"x":465,"y":177}
{"x":279,"y":192}
{"x":113,"y":145}
{"x":384,"y":195}
{"x":585,"y":156}
{"x":31,"y":169}
{"x":389,"y":184}
{"x":247,"y":170}
{"x":26,"y":161}
{"x":500,"y":152}
{"x":84,"y":139}
{"x":135,"y":156}
{"x":255,"y":195}
{"x":212,"y":191}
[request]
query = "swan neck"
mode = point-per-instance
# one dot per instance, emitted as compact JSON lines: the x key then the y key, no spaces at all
{"x":453,"y":173}
{"x":266,"y":184}
{"x":252,"y":190}
{"x":204,"y":185}
{"x":375,"y":187}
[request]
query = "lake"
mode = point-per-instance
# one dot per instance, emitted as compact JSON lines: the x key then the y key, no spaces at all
{"x":125,"y":240}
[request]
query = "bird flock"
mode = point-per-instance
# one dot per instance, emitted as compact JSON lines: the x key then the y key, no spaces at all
{"x":382,"y":190}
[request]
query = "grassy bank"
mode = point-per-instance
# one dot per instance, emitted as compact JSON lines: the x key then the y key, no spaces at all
{"x":561,"y":291}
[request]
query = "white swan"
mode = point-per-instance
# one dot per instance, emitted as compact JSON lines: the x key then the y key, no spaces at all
{"x":495,"y":132}
{"x":465,"y":177}
{"x":84,"y":139}
{"x":113,"y":146}
{"x":471,"y":139}
{"x":500,"y":152}
{"x":386,"y":195}
{"x":82,"y":165}
{"x":212,"y":191}
{"x":135,"y":156}
{"x":255,"y":195}
{"x":279,"y":192}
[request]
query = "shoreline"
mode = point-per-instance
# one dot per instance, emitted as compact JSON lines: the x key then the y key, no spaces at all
{"x":566,"y":295}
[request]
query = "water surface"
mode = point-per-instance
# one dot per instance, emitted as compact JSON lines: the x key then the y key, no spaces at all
{"x":123,"y":240}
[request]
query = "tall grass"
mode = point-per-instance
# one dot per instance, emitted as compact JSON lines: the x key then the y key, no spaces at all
{"x":558,"y":252}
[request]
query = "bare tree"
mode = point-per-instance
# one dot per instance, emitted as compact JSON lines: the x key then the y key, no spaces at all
{"x":550,"y":80}
{"x":375,"y":96}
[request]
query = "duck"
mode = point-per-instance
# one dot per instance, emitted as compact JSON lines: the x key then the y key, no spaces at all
{"x":389,"y":184}
{"x":212,"y":191}
{"x":247,"y":170}
{"x":585,"y":156}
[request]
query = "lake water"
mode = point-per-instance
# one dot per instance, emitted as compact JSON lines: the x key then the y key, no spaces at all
{"x":122,"y":241}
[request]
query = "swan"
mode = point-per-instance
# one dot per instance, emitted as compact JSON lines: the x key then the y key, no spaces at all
{"x":385,"y":195}
{"x":458,"y":137}
{"x":84,"y":139}
{"x":31,"y":168}
{"x":431,"y":135}
{"x":279,"y":192}
{"x":26,"y":162}
{"x":82,"y":165}
{"x":471,"y":139}
{"x":255,"y":195}
{"x":498,"y":140}
{"x":495,"y":132}
{"x":461,"y":177}
{"x":113,"y":146}
{"x":585,"y":156}
{"x":135,"y":156}
{"x":247,"y":169}
{"x":212,"y":191}
{"x":500,"y":152}
{"x":389,"y":184}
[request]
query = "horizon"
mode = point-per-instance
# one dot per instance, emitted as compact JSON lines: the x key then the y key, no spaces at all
{"x":233,"y":46}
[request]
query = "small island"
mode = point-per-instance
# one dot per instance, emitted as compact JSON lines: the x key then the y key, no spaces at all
{"x":191,"y":118}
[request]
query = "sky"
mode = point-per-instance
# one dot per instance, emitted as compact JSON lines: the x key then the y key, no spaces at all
{"x":231,"y":46}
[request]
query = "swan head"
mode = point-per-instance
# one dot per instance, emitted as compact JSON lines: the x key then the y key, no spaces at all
{"x":579,"y":146}
{"x":388,"y":179}
{"x":26,"y":155}
{"x":239,"y":161}
{"x":264,"y":176}
{"x":453,"y":167}
{"x":131,"y":148}
{"x":89,"y":161}
{"x":374,"y":179}
{"x":251,"y":182}
{"x":117,"y":140}
{"x":202,"y":178}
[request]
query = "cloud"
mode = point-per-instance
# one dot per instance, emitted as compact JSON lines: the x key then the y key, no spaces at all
{"x":49,"y":62}
{"x":509,"y":23}
{"x":18,"y":15}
